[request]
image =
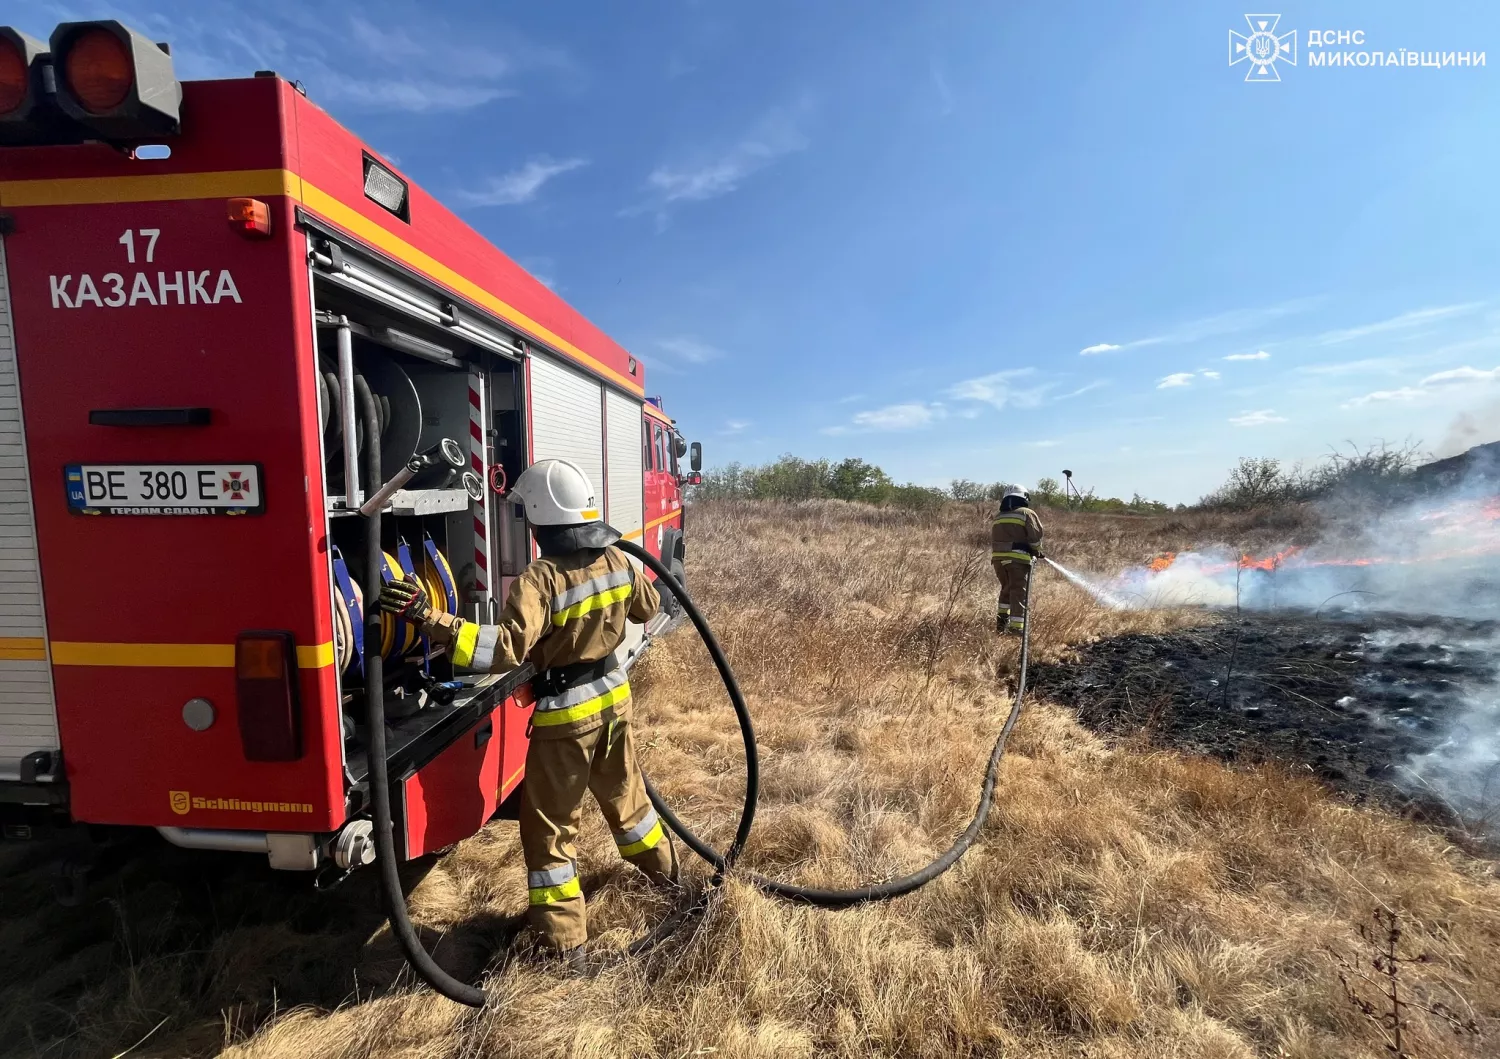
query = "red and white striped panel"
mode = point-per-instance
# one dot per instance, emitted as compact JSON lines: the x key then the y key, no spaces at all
{"x":480,"y":508}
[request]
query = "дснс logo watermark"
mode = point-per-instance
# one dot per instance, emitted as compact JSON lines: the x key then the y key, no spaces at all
{"x":1262,"y":49}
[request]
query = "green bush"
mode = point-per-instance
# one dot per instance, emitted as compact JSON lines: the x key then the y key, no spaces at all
{"x":793,"y":478}
{"x":1262,"y":481}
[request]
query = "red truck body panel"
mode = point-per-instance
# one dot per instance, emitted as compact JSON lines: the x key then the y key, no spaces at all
{"x":142,"y":612}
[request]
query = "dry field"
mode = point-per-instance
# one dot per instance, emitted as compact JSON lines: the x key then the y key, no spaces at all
{"x":1122,"y":901}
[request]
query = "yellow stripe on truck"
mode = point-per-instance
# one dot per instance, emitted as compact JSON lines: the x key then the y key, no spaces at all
{"x":171,"y":655}
{"x":160,"y":187}
{"x":23,"y":649}
{"x":650,"y":526}
{"x":167,"y":187}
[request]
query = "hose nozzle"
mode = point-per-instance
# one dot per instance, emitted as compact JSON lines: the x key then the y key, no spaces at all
{"x":444,"y":452}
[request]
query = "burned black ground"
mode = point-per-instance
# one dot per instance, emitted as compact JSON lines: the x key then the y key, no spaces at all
{"x":1351,"y":700}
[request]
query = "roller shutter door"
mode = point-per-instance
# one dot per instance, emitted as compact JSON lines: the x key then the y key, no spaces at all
{"x":28,"y":715}
{"x":567,"y":419}
{"x":624,"y":503}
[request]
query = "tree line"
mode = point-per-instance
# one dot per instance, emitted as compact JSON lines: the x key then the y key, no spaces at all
{"x":793,"y":478}
{"x":1252,"y":482}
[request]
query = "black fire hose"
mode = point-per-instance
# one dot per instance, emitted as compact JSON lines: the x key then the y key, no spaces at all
{"x":379,"y":780}
{"x":379,"y":777}
{"x":811,"y":895}
{"x":721,"y":864}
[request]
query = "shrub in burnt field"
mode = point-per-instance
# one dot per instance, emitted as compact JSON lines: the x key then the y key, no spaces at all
{"x":1381,"y":997}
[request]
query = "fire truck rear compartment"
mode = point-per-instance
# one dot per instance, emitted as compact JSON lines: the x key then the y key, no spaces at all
{"x":456,"y":745}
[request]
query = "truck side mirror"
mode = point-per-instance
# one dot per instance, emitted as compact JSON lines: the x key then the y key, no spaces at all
{"x":695,"y":461}
{"x":679,"y":447}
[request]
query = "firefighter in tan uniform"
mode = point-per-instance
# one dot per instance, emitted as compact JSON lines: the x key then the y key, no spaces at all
{"x":567,"y":614}
{"x":1015,"y":540}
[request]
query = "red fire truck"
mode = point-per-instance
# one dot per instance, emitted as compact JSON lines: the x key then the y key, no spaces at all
{"x":202,"y":286}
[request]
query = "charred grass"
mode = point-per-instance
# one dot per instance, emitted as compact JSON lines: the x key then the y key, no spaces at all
{"x":1122,"y":901}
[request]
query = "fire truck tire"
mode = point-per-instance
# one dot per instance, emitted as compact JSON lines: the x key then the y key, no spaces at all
{"x":679,"y":574}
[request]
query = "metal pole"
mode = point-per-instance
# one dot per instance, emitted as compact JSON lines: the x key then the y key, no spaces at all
{"x":352,"y":493}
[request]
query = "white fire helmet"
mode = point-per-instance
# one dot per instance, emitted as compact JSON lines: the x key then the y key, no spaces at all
{"x":556,"y":493}
{"x":1014,"y":497}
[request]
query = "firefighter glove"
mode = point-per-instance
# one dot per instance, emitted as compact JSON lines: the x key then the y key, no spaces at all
{"x":408,"y":601}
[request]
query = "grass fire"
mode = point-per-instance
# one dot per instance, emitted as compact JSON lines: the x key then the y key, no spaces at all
{"x":1201,"y":808}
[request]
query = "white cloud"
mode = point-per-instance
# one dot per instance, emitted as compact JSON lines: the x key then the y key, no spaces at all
{"x":1042,"y":444}
{"x":1179,"y":378}
{"x":1405,"y":321}
{"x":1406,"y":393}
{"x":713,"y":173}
{"x":691,"y":350}
{"x":1351,"y":367}
{"x":1441,"y":380}
{"x":1085,"y":388}
{"x":1256,"y":419}
{"x":735,"y":426}
{"x":1258,"y":355}
{"x":1231,"y":322}
{"x":1209,"y":374}
{"x":908,"y":416}
{"x":1464,"y":374}
{"x":542,"y":269}
{"x":520,"y":185}
{"x":995,"y":389}
{"x":1102,"y":347}
{"x":349,"y":62}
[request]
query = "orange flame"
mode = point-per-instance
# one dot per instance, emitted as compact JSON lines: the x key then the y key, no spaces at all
{"x":1456,"y":518}
{"x":1271,"y":562}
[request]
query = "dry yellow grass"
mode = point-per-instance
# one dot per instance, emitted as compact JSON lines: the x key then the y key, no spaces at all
{"x":1121,"y":902}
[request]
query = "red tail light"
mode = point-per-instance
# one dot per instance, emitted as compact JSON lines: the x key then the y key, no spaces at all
{"x":265,"y":677}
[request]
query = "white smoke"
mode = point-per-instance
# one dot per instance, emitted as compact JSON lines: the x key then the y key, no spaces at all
{"x":1463,"y":770}
{"x":1425,"y":557}
{"x":1474,"y":427}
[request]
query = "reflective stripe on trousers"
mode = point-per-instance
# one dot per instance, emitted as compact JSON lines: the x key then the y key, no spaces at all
{"x":583,"y":701}
{"x":553,"y":885}
{"x":594,"y":594}
{"x":643,"y":836}
{"x":1012,"y":557}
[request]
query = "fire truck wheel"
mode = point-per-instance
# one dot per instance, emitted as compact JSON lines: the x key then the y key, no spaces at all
{"x":679,"y":574}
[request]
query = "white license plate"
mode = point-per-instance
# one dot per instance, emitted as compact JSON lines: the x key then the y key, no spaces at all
{"x":164,"y":488}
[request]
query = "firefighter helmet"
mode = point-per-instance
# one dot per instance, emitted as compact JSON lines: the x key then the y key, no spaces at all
{"x":1014,"y":497}
{"x":556,"y":493}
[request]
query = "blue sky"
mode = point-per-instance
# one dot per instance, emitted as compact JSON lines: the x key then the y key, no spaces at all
{"x":983,"y":240}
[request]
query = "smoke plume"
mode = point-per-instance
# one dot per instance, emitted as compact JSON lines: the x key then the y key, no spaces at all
{"x":1422,"y":567}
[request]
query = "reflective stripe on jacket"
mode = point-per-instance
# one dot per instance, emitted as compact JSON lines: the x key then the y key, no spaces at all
{"x":561,"y":611}
{"x":1013,"y":534}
